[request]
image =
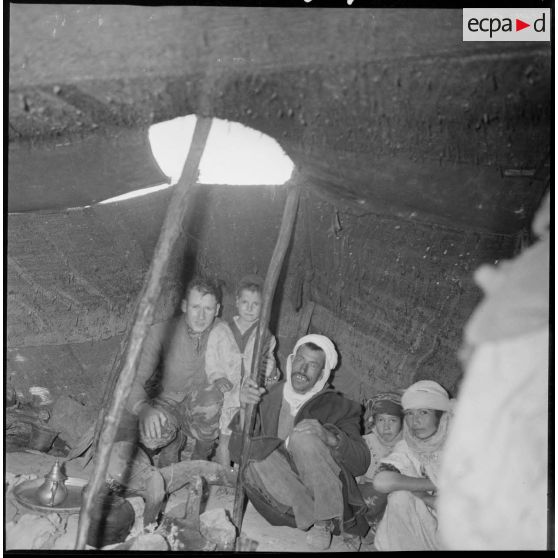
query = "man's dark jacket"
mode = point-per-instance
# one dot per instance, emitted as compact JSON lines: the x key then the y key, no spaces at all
{"x":336,"y":413}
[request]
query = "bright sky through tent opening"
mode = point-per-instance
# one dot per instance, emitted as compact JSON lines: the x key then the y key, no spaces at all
{"x":234,"y":155}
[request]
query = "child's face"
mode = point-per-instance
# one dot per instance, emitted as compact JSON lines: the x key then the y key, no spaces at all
{"x":388,"y":426}
{"x":249,"y":305}
{"x":423,"y":423}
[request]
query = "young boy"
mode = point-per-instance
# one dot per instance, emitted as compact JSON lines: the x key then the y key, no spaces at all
{"x":228,"y":357}
{"x":383,"y":422}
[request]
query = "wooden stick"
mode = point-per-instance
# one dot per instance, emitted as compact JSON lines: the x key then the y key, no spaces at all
{"x":109,"y":389}
{"x":178,"y":206}
{"x":273,"y":271}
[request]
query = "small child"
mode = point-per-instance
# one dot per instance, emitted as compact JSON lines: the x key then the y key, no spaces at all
{"x":228,"y":358}
{"x":383,"y":422}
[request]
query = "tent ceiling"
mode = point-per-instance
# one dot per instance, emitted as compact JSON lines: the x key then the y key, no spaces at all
{"x":79,"y":173}
{"x":403,"y":121}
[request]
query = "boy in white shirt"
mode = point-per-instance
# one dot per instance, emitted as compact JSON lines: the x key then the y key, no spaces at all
{"x":228,"y":357}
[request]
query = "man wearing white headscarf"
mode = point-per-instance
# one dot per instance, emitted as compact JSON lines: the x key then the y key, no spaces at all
{"x":306,"y":449}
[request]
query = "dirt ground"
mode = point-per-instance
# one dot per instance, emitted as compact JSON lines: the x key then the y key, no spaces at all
{"x":254,"y":526}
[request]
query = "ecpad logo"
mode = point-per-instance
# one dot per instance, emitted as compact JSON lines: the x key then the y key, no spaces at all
{"x":495,"y":24}
{"x":506,"y":24}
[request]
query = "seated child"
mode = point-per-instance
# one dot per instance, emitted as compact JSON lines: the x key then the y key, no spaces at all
{"x":383,"y":420}
{"x":228,"y":358}
{"x":409,"y":474}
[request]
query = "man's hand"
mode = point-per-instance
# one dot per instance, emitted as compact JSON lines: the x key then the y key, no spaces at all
{"x":223,"y":385}
{"x":312,"y":426}
{"x":151,"y":422}
{"x":250,"y":393}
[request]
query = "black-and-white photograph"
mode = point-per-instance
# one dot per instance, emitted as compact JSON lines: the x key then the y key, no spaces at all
{"x":277,"y":277}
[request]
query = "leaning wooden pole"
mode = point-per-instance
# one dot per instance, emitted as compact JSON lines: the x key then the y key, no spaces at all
{"x":273,"y":272}
{"x":178,"y":206}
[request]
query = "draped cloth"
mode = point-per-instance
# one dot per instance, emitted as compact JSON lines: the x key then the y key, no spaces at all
{"x":375,"y":501}
{"x":378,"y":450}
{"x":426,"y":394}
{"x":428,"y":453}
{"x":494,"y":478}
{"x":494,"y":474}
{"x":408,"y":523}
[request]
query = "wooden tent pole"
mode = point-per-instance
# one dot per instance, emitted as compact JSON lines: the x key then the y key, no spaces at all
{"x":273,"y":272}
{"x":178,"y":206}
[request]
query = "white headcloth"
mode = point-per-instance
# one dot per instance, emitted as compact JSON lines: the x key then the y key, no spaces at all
{"x":426,"y":394}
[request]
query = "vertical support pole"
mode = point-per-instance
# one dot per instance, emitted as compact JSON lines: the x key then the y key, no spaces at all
{"x":272,"y":276}
{"x":143,"y":316}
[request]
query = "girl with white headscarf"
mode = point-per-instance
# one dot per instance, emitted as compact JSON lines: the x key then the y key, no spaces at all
{"x":410,"y":473}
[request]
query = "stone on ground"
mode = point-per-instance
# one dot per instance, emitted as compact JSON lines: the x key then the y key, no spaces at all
{"x":216,"y":526}
{"x":32,"y":532}
{"x":67,"y":541}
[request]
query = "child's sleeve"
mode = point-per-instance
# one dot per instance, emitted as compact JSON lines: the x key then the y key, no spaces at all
{"x":214,"y":368}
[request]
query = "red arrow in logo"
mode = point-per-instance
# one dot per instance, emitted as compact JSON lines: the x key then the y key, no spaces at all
{"x":519,"y":25}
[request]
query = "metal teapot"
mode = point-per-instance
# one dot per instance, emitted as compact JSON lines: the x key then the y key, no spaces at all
{"x":53,"y":491}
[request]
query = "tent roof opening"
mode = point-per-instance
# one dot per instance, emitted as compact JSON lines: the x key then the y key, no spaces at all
{"x":234,"y":154}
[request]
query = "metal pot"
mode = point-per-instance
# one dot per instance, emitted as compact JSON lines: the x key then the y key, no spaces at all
{"x":112,"y":518}
{"x":53,"y":491}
